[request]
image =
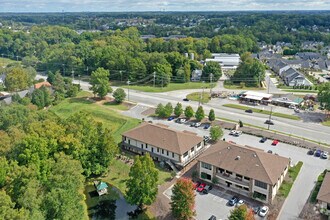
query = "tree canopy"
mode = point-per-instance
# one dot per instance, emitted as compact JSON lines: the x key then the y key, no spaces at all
{"x":100,"y":82}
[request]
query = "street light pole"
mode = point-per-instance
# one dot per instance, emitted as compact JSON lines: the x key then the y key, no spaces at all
{"x":268,"y":84}
{"x":128,"y":82}
{"x":270,"y":116}
{"x":211,"y":77}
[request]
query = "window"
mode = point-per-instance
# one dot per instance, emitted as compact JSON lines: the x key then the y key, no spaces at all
{"x":152,"y":149}
{"x":245,"y":188}
{"x":185,"y":154}
{"x":260,"y":184}
{"x":246,"y":178}
{"x":221,"y":170}
{"x":142,"y":146}
{"x":167,"y":152}
{"x":206,"y":176}
{"x":228,"y":172}
{"x":239,"y":176}
{"x":146,"y":146}
{"x":129,"y":141}
{"x":259,"y":195}
{"x":207,"y":166}
{"x":172,"y":154}
{"x":238,"y":186}
{"x":199,"y":145}
{"x":192,"y":149}
{"x":162,"y":151}
{"x":157,"y":150}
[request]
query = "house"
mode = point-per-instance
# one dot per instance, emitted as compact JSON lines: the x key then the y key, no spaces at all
{"x":226,"y":61}
{"x":164,"y":144}
{"x":245,"y":170}
{"x":196,"y":75}
{"x":292,"y":77}
{"x":101,"y":187}
{"x":323,"y":197}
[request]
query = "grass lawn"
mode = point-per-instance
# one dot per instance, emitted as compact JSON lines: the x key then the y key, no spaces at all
{"x":118,"y":175}
{"x":317,"y":187}
{"x":326,"y":123}
{"x":171,"y":87}
{"x":237,"y":86}
{"x":118,"y":106}
{"x":287,"y":184}
{"x":266,"y":112}
{"x":300,"y":90}
{"x":196,"y":96}
{"x":6,"y":61}
{"x":110,"y":118}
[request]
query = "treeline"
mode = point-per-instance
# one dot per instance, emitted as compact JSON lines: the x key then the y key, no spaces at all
{"x":44,"y":161}
{"x":54,"y":48}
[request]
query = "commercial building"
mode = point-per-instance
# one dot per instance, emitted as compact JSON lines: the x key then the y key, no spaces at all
{"x":255,"y":97}
{"x":245,"y":170}
{"x":163,"y":143}
{"x":226,"y":61}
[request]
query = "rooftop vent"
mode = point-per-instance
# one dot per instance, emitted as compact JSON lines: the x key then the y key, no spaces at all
{"x":228,"y":147}
{"x":254,"y":155}
{"x":257,"y":165}
{"x":237,"y":158}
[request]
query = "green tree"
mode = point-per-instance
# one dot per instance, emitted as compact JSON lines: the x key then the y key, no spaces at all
{"x":240,"y":123}
{"x":8,"y":211}
{"x":100,"y":82}
{"x":119,"y":95}
{"x":168,"y":110}
{"x":160,"y":110}
{"x":211,"y":115}
{"x":241,"y":213}
{"x":213,"y":68}
{"x":183,"y":199}
{"x":41,"y":97}
{"x":189,"y":112}
{"x":216,"y":133}
{"x":199,"y":115}
{"x":142,"y":183}
{"x":3,"y":171}
{"x":178,"y":110}
{"x":324,"y":95}
{"x":17,"y":79}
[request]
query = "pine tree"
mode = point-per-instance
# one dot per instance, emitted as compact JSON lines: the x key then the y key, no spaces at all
{"x":211,"y":115}
{"x":178,"y":109}
{"x":189,"y":112}
{"x":200,"y":113}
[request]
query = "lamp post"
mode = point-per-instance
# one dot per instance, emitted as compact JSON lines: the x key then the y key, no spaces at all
{"x":128,"y":82}
{"x":201,"y":95}
{"x":270,"y":116}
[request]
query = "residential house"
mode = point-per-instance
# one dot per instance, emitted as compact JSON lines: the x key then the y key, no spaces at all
{"x":245,"y":170}
{"x":196,"y":75}
{"x":292,"y":77}
{"x":226,"y":61}
{"x":164,"y":144}
{"x":323,"y":197}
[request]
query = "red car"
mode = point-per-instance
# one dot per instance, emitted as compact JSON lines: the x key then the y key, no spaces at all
{"x":275,"y":142}
{"x":201,"y":187}
{"x":196,"y":185}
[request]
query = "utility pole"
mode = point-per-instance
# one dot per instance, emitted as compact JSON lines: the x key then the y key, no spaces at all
{"x":268,"y":84}
{"x":154,"y":78}
{"x":121,"y":76}
{"x":128,"y":82}
{"x":211,"y":77}
{"x":270,"y":116}
{"x":79,"y":80}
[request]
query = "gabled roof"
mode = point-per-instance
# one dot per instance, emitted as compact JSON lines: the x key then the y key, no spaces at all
{"x":246,"y":161}
{"x":324,"y":193}
{"x":101,"y":185}
{"x":165,"y":138}
{"x":39,"y":85}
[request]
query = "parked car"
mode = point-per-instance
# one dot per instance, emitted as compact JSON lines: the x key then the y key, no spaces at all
{"x":275,"y":142}
{"x":270,"y":151}
{"x":237,"y":133}
{"x":317,"y":153}
{"x":185,"y":99}
{"x":192,"y":124}
{"x":232,"y":132}
{"x":263,"y":140}
{"x":207,"y":188}
{"x":269,"y":122}
{"x":311,"y":152}
{"x":182,"y":120}
{"x":325,"y":155}
{"x":197,"y":124}
{"x":178,"y":120}
{"x":263,"y":211}
{"x":233,"y":201}
{"x":240,"y":202}
{"x":248,"y":111}
{"x":213,"y":217}
{"x":206,"y":138}
{"x":256,"y":209}
{"x":170,"y":118}
{"x":207,"y":126}
{"x":292,"y":106}
{"x":201,"y":187}
{"x":296,"y":110}
{"x":196,"y":185}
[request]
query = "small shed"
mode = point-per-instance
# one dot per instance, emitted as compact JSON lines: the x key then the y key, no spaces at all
{"x":101,"y":187}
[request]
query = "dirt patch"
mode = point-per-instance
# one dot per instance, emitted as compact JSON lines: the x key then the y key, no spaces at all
{"x":149,"y":111}
{"x":310,"y":211}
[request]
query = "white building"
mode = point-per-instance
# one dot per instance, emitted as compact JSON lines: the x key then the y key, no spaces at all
{"x":226,"y":61}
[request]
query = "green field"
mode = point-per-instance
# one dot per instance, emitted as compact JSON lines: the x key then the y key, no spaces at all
{"x":197,"y":96}
{"x":102,"y":113}
{"x":300,"y":90}
{"x":5,"y":61}
{"x":266,"y":112}
{"x":326,"y":123}
{"x":117,"y":106}
{"x":238,"y":87}
{"x":170,"y":87}
{"x":287,"y":185}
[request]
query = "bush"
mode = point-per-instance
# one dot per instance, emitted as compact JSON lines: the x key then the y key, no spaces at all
{"x":119,"y":95}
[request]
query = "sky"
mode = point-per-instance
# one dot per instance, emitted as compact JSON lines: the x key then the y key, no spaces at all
{"x":158,"y":5}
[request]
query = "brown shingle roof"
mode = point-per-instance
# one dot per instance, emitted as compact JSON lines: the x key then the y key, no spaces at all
{"x":39,"y":85}
{"x":246,"y":161}
{"x":159,"y":136}
{"x":324,"y":193}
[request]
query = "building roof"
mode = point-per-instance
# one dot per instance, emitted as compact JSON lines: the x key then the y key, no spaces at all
{"x":165,"y":138}
{"x":101,"y":186}
{"x":246,"y":161}
{"x":39,"y":85}
{"x":324,"y":193}
{"x":256,"y":95}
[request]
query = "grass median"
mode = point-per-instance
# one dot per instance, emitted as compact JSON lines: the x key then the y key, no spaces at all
{"x":261,"y":111}
{"x":199,"y":96}
{"x":287,"y":184}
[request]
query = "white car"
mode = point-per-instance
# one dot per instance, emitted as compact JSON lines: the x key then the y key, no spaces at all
{"x":237,"y":133}
{"x":263,"y":211}
{"x":325,"y":155}
{"x":197,"y":124}
{"x":240,"y":202}
{"x":183,"y":120}
{"x":232,"y":132}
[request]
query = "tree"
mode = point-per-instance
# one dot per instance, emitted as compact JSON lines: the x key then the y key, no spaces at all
{"x":160,"y":110}
{"x":241,"y":213}
{"x":41,"y":97}
{"x":17,"y":79}
{"x":142,"y":183}
{"x":3,"y":171}
{"x":211,"y":115}
{"x":178,"y":109}
{"x":324,"y":95}
{"x":183,"y":199}
{"x":216,"y":133}
{"x":168,"y":110}
{"x":100,"y":82}
{"x":7,"y":208}
{"x":119,"y":95}
{"x":189,"y":112}
{"x":213,"y":68}
{"x":240,"y":123}
{"x":199,"y":115}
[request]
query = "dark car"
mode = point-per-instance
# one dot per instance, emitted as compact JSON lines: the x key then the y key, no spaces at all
{"x":256,"y":209}
{"x":317,"y":153}
{"x":207,"y":126}
{"x":192,"y":124}
{"x":248,"y":111}
{"x":170,"y":118}
{"x":207,"y":188}
{"x":270,"y":151}
{"x":269,"y":122}
{"x":186,"y":100}
{"x":263,"y":140}
{"x":311,"y":152}
{"x":213,"y":218}
{"x":233,"y":201}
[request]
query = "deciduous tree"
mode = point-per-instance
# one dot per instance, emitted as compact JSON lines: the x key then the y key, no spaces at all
{"x":216,"y":133}
{"x":119,"y":95}
{"x":100,"y":82}
{"x":324,"y":95}
{"x":178,"y":109}
{"x":241,"y":213}
{"x":189,"y":112}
